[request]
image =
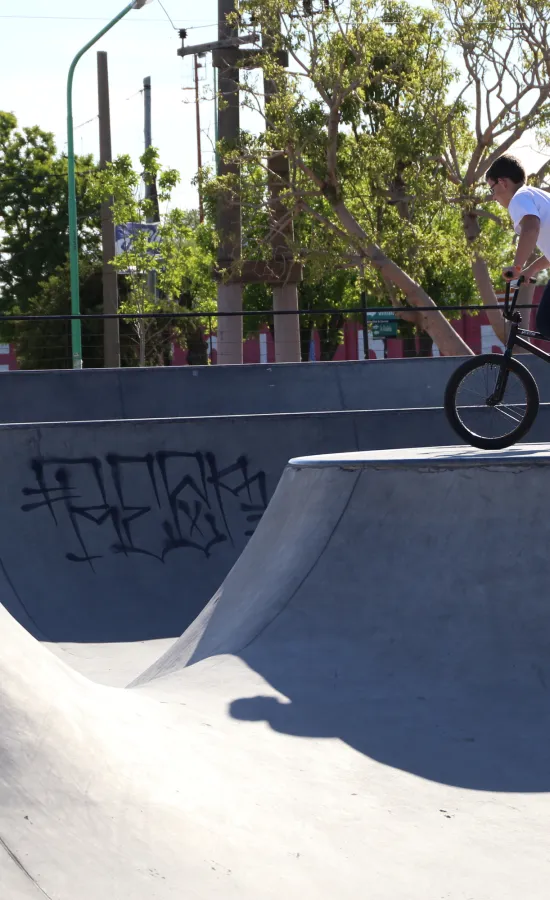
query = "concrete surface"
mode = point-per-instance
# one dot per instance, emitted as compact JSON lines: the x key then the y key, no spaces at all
{"x":116,"y":534}
{"x":361,"y":711}
{"x":166,"y":392}
{"x":122,"y":531}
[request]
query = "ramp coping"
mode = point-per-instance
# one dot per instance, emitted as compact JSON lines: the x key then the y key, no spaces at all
{"x":528,"y":454}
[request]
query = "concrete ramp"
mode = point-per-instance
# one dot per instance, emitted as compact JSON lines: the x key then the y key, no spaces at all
{"x":362,"y":710}
{"x":121,"y":531}
{"x":400,"y":601}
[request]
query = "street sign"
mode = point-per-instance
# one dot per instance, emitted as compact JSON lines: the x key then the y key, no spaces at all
{"x":384,"y":329}
{"x":383,"y":324}
{"x":374,"y":314}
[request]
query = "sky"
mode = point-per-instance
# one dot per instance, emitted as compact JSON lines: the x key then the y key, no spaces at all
{"x":39,"y":38}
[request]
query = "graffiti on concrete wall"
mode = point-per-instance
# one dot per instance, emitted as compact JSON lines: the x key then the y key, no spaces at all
{"x":151,"y":505}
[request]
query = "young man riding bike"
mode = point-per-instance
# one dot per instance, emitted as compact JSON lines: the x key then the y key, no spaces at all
{"x":529,"y":210}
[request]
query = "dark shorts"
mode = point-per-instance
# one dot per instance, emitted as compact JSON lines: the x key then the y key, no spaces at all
{"x":543,"y":313}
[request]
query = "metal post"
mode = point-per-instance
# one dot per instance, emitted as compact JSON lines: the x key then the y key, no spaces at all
{"x":111,"y":337}
{"x":198,"y":121}
{"x":76,"y":327}
{"x":150,"y":189}
{"x":147,"y":126}
{"x":216,"y":115}
{"x":230,"y":329}
{"x":365,"y":325}
{"x":285,"y":294}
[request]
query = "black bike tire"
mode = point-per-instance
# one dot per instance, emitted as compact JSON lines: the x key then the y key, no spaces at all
{"x":531,"y":392}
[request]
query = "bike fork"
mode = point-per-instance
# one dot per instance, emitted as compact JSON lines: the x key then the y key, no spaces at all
{"x":502,"y":380}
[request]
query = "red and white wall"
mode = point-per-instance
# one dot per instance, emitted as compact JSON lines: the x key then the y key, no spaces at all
{"x":474,"y":329}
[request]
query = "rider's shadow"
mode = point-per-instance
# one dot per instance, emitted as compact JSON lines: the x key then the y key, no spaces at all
{"x":494,"y":740}
{"x":434,"y":661}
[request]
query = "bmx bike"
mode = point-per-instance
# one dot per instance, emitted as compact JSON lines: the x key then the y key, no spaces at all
{"x":492,"y":400}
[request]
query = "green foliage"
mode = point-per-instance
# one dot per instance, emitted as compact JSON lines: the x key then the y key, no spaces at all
{"x":33,"y":212}
{"x":363,"y":114}
{"x":34,"y":241}
{"x":178,"y":260}
{"x":47,"y":344}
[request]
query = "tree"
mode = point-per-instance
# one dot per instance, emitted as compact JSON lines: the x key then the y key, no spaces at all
{"x":33,"y":212}
{"x":46,"y":344}
{"x":177,"y":249}
{"x":505,"y":49}
{"x":332,"y":116}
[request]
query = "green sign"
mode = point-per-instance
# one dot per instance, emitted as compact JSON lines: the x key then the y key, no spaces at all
{"x":384,"y":329}
{"x":374,"y":314}
{"x":383,"y":324}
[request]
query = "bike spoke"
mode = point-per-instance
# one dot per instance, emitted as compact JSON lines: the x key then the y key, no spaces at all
{"x":505,"y":411}
{"x":477,"y":415}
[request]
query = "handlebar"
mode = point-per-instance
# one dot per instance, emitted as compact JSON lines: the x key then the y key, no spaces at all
{"x":510,"y":306}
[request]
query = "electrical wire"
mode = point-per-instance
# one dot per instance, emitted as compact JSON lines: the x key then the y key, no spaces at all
{"x":98,"y":19}
{"x":167,"y":14}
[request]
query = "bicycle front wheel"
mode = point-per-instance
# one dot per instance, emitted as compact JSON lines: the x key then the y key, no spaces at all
{"x":470,"y":406}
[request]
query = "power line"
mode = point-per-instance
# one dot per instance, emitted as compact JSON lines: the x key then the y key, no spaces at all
{"x":98,"y":19}
{"x":17,"y":179}
{"x":87,"y":122}
{"x":167,"y":14}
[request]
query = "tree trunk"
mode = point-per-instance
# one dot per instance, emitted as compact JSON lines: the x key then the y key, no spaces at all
{"x":435,"y":324}
{"x":142,"y":347}
{"x":329,"y":336}
{"x":197,"y":349}
{"x":480,"y":269}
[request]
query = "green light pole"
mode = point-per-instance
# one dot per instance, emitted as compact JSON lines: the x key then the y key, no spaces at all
{"x":76,"y":326}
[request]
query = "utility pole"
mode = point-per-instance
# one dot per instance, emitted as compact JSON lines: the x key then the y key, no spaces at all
{"x":150,"y":189}
{"x":198,"y":119}
{"x":147,"y":130}
{"x":111,"y":337}
{"x":226,"y":56}
{"x":285,"y":293}
{"x":230,"y":295}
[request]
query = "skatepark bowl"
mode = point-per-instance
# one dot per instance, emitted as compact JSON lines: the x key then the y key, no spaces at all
{"x":360,"y":710}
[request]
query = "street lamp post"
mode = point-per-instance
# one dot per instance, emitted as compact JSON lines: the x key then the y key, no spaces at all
{"x":76,"y":327}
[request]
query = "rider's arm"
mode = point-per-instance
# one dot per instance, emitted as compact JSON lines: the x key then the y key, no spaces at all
{"x":537,"y":266}
{"x":528,"y":237}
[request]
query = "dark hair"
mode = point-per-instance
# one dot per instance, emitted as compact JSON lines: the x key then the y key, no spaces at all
{"x":506,"y":167}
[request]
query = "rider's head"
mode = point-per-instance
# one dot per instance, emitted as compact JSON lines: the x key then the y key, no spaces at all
{"x":504,"y":178}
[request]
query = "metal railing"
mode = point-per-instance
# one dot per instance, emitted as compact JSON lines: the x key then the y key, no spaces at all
{"x":45,"y":341}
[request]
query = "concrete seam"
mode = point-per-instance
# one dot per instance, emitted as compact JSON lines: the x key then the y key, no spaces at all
{"x":309,"y":571}
{"x":340,"y":391}
{"x":21,"y":602}
{"x":22,"y":868}
{"x":121,"y":396}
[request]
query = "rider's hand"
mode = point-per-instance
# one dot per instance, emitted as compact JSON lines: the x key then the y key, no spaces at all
{"x":515,"y":270}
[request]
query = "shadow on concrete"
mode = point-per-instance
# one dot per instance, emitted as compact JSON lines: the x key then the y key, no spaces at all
{"x":479,"y":740}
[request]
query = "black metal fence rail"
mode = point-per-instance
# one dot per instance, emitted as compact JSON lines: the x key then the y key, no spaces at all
{"x":357,"y":310}
{"x":44,"y":341}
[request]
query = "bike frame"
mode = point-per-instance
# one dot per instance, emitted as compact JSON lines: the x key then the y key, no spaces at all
{"x":516,"y":338}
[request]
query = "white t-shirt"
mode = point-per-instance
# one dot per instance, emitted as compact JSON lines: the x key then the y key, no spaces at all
{"x":530,"y":201}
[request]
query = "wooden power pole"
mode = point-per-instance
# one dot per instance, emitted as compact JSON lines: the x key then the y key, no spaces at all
{"x":111,"y":336}
{"x":280,"y":271}
{"x":285,"y":292}
{"x":150,"y":189}
{"x":230,"y":295}
{"x":197,"y":66}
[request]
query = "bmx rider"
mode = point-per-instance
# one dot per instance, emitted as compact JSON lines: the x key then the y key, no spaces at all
{"x":529,"y":210}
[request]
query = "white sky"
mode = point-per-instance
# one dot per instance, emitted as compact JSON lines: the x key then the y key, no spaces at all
{"x":39,"y":38}
{"x":36,"y":52}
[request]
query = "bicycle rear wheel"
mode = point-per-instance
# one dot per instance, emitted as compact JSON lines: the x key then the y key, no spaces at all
{"x":472,"y":414}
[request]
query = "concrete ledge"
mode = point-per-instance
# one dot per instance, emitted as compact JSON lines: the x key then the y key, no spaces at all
{"x":521,"y":454}
{"x":159,"y":393}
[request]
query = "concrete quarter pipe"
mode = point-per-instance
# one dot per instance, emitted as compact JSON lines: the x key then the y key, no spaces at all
{"x":360,"y":711}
